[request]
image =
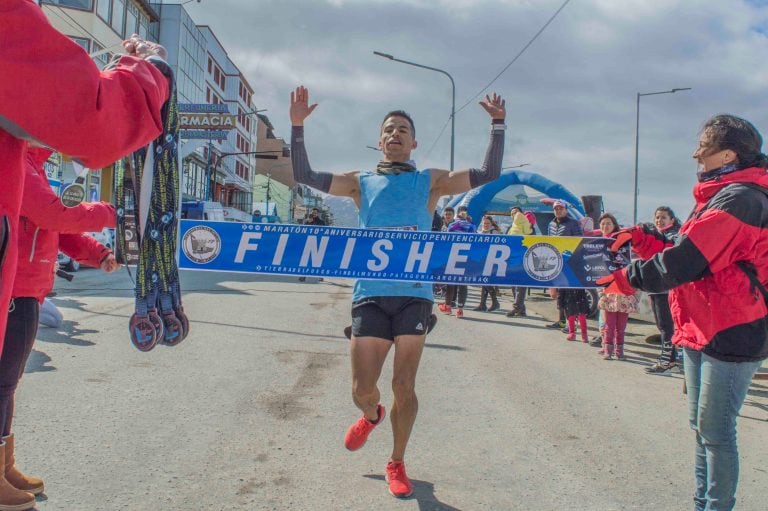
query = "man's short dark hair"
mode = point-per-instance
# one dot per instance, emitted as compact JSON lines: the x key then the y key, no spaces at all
{"x":315,"y":209}
{"x":448,"y":209}
{"x":400,"y":113}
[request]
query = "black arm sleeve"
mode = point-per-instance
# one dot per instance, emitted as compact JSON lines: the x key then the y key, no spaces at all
{"x":491,"y":168}
{"x":669,"y":269}
{"x":302,"y":172}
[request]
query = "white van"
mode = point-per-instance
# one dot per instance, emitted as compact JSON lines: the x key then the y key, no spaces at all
{"x":203,"y":210}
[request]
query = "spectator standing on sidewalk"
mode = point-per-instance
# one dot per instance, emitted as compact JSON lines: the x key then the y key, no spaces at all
{"x":521,"y":225}
{"x":448,"y":216}
{"x":716,"y":274}
{"x":647,"y":241}
{"x":456,"y":294}
{"x":488,"y":226}
{"x":614,"y":305}
{"x":51,"y":92}
{"x":564,"y":225}
{"x":43,"y":217}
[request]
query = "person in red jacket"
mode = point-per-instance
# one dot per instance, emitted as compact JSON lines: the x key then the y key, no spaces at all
{"x":46,"y":226}
{"x":52,"y":92}
{"x":716,"y":273}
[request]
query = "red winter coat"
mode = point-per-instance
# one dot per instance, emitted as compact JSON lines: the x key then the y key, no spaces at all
{"x":714,"y":307}
{"x":51,"y":91}
{"x":42,"y":218}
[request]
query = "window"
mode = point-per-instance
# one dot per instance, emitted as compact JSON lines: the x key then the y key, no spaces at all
{"x":103,"y":59}
{"x":210,"y":65}
{"x":154,"y":31}
{"x":83,"y":42}
{"x":132,"y":20}
{"x":143,"y":26}
{"x":104,"y":9}
{"x":86,"y":5}
{"x":118,"y":15}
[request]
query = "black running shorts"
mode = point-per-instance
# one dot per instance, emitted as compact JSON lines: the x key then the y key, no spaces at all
{"x":386,"y":317}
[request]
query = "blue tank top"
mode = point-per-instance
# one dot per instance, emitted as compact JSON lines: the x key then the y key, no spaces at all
{"x":395,"y":201}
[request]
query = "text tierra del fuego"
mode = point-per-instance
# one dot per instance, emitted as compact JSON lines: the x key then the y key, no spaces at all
{"x":396,"y":254}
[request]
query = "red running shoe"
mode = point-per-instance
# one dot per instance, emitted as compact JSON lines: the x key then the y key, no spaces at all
{"x":445,"y":309}
{"x":399,"y":484}
{"x":358,"y":432}
{"x":459,"y":313}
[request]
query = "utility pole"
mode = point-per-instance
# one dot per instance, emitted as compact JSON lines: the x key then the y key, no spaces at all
{"x":267,"y":186}
{"x":208,"y":169}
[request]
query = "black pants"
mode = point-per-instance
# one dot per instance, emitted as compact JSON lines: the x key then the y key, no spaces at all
{"x":487,"y":291}
{"x":19,"y":338}
{"x":663,"y":316}
{"x":456,"y":296}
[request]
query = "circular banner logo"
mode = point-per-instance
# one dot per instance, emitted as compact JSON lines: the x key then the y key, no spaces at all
{"x":72,"y":195}
{"x":201,"y":244}
{"x":543,"y":261}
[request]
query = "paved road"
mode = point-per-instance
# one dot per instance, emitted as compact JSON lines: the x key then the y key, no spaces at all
{"x":249,"y":412}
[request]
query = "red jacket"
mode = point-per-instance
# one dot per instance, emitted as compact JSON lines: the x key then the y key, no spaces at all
{"x":42,"y":218}
{"x":714,"y":307}
{"x":53,"y":92}
{"x":648,"y":240}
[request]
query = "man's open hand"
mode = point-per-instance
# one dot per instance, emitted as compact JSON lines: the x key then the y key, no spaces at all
{"x":300,"y":107}
{"x":494,"y":105}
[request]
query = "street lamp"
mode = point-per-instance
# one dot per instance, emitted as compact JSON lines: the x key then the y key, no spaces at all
{"x":453,"y":91}
{"x":637,"y":138}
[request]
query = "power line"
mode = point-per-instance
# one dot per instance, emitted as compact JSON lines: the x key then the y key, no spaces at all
{"x":438,"y":138}
{"x":519,"y":54}
{"x":93,"y":37}
{"x":550,"y":20}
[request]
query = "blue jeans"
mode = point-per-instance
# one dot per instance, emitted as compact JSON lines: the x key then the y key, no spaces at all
{"x":716,"y":391}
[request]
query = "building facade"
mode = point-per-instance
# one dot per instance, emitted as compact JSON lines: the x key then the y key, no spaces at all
{"x":212,"y":169}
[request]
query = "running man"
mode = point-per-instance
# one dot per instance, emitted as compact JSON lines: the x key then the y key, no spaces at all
{"x":395,"y":196}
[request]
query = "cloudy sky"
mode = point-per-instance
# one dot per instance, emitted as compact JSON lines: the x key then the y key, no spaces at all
{"x":570,"y":97}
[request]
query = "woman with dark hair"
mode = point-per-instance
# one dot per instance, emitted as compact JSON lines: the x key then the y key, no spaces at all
{"x":647,"y":241}
{"x":716,"y":274}
{"x":614,"y":305}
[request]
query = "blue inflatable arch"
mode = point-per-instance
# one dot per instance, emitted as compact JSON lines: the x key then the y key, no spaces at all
{"x":490,"y":197}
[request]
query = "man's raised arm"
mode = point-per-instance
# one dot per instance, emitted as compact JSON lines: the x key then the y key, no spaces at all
{"x":335,"y":184}
{"x":458,"y":181}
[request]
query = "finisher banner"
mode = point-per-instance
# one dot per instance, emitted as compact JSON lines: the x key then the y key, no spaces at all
{"x":397,"y":254}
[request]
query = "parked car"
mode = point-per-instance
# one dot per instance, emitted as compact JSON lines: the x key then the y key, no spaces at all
{"x":203,"y":210}
{"x":66,"y":263}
